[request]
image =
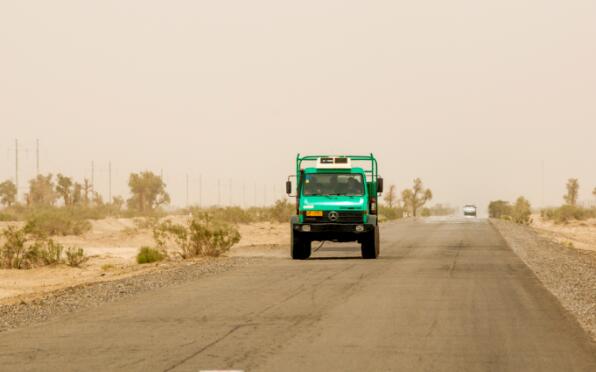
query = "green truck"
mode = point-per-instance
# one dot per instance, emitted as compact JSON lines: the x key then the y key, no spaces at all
{"x":336,"y":200}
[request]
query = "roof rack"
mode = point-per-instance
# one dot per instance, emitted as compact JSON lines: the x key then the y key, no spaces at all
{"x":314,"y":158}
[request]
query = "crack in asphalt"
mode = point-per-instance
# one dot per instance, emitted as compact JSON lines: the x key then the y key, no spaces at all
{"x":454,"y":262}
{"x":215,"y":342}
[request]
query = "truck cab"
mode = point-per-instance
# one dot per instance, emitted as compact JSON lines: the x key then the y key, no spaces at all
{"x":336,"y":200}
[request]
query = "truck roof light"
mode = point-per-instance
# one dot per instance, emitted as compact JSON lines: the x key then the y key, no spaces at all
{"x":334,"y":162}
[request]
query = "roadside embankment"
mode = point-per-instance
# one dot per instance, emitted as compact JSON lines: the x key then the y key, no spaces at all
{"x":568,"y":273}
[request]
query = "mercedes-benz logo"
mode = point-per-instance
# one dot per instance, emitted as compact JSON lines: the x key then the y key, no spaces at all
{"x":333,"y":216}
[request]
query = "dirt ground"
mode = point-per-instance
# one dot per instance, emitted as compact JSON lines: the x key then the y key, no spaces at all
{"x":112,"y":245}
{"x":581,"y":234}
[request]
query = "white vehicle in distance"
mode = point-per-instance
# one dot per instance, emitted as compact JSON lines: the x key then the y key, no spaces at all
{"x":470,"y":210}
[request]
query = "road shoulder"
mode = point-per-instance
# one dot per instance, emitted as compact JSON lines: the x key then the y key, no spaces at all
{"x":30,"y":310}
{"x":568,"y":273}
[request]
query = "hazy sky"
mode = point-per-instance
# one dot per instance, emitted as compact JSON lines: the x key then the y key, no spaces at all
{"x":471,"y":96}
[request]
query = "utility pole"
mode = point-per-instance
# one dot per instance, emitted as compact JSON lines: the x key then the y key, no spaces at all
{"x":110,"y":182}
{"x":542,"y":164}
{"x":243,"y":194}
{"x":230,"y":195}
{"x":37,"y":156}
{"x":200,"y":190}
{"x":187,"y":189}
{"x":16,"y":176}
{"x":218,"y":192}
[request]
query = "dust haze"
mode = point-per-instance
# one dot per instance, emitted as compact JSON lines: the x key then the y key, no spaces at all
{"x":482,"y":101}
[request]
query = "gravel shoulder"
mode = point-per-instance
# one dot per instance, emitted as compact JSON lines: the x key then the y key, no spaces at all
{"x":570,"y":274}
{"x":40,"y":307}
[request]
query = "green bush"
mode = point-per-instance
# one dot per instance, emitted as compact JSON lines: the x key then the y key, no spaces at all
{"x":75,"y":257}
{"x":148,"y":255}
{"x":202,"y":236}
{"x":56,"y":221}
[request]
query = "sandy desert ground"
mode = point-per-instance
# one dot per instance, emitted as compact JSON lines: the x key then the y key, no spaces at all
{"x":581,"y":234}
{"x":112,"y":245}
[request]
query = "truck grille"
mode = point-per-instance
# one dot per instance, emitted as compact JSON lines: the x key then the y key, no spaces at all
{"x":342,"y":217}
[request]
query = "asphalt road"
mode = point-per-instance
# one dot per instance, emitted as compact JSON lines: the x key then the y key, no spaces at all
{"x":443,"y":296}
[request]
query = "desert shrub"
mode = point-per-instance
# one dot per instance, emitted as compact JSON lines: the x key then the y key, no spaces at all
{"x":437,"y":210}
{"x":75,"y":257}
{"x":7,"y":217}
{"x":499,"y":209}
{"x":281,"y":211}
{"x":56,"y":221}
{"x":23,"y":251}
{"x":387,"y":213}
{"x":146,"y":222}
{"x":228,"y":214}
{"x":202,"y":236}
{"x":50,"y":252}
{"x":14,"y":251}
{"x":148,"y":255}
{"x":522,"y":211}
{"x":107,"y":267}
{"x":567,"y":213}
{"x":16,"y":212}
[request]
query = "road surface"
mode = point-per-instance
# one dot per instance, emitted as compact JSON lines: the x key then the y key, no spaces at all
{"x":444,"y":296}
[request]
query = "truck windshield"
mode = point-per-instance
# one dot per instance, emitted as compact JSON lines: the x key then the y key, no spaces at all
{"x":346,"y":184}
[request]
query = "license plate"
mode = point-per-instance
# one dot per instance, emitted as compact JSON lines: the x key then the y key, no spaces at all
{"x":314,"y":214}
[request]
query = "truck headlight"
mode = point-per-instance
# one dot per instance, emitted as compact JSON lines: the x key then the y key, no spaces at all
{"x":306,"y":228}
{"x":359,"y":228}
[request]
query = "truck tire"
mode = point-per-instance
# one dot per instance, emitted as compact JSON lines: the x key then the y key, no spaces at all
{"x":371,"y":245}
{"x":300,"y":247}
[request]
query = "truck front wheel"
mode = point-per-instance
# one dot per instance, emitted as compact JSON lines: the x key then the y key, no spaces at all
{"x":371,"y":244}
{"x":301,"y":247}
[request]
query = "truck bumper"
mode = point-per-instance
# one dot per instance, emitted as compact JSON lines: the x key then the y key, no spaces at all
{"x":333,"y":231}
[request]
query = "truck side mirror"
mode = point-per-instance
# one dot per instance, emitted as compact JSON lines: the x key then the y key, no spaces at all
{"x":288,"y":187}
{"x":379,"y":185}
